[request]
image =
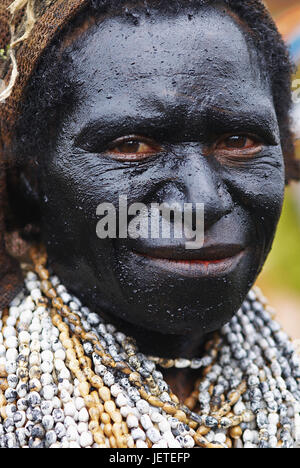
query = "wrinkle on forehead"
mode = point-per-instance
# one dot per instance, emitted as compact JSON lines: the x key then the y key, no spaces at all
{"x":79,"y":31}
{"x":163,"y":63}
{"x":116,"y":44}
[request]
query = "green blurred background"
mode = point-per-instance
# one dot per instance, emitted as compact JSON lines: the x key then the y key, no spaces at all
{"x":280,"y":279}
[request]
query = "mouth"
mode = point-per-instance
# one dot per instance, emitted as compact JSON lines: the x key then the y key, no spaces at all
{"x":210,"y":261}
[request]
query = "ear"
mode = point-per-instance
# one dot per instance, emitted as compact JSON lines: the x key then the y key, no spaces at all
{"x":29,"y":189}
{"x":23,"y":199}
{"x":10,"y":274}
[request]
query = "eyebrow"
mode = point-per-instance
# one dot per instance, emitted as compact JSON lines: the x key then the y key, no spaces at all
{"x":215,"y":120}
{"x":118,"y":127}
{"x":261,"y":121}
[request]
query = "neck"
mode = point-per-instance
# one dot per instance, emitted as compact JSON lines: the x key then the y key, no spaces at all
{"x":169,"y":346}
{"x":181,"y":381}
{"x":156,"y":344}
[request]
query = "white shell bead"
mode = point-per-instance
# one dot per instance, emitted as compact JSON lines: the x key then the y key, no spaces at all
{"x":132,"y":421}
{"x":86,"y":439}
{"x":83,"y":415}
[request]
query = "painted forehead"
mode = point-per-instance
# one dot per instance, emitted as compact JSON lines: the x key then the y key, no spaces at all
{"x":176,"y":59}
{"x":120,"y":46}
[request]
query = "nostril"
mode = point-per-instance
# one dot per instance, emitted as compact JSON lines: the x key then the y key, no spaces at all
{"x":214,"y":212}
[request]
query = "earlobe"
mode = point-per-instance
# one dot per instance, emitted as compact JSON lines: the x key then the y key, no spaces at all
{"x":29,"y":189}
{"x":10,"y":274}
{"x":23,"y":199}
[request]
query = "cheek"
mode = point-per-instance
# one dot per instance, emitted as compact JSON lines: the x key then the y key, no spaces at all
{"x":259,"y":189}
{"x":72,"y":187}
{"x":260,"y":192}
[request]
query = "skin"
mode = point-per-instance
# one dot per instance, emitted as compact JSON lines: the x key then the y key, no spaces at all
{"x":182,"y":86}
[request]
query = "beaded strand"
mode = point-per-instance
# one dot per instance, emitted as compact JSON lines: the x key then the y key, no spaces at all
{"x":67,"y":379}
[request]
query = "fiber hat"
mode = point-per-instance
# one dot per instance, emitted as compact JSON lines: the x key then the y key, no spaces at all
{"x":27,"y":28}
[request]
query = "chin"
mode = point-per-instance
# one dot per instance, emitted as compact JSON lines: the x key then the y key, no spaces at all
{"x":184,"y":298}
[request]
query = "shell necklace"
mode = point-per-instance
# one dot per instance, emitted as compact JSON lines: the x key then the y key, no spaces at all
{"x":68,"y":379}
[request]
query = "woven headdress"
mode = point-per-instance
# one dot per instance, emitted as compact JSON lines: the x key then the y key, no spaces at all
{"x":26,"y":29}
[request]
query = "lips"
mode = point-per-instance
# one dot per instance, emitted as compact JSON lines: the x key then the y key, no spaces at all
{"x":212,"y":253}
{"x":210,"y":260}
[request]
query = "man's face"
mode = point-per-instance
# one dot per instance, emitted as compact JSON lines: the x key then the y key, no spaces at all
{"x":170,"y":110}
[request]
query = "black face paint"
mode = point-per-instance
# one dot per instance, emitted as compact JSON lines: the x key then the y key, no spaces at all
{"x":183,"y":84}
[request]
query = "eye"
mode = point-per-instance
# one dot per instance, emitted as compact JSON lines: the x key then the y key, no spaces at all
{"x":239,"y":144}
{"x":132,"y":148}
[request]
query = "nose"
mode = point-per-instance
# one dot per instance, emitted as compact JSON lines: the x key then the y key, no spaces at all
{"x":196,"y":179}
